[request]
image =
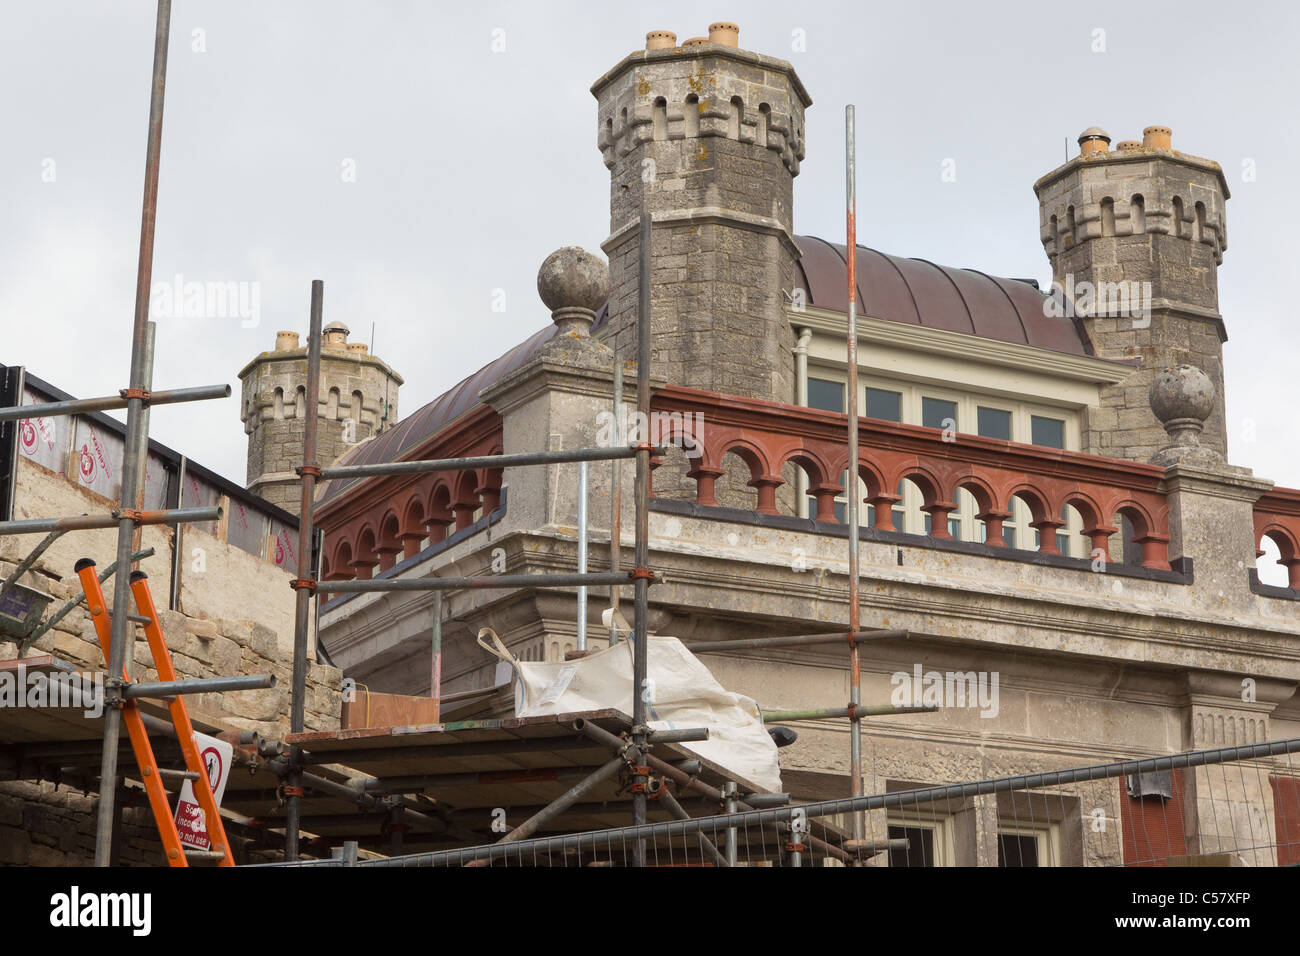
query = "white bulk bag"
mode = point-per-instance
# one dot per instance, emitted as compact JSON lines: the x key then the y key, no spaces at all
{"x":680,"y":692}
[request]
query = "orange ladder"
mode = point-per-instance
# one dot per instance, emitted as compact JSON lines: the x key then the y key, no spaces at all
{"x":195,"y":772}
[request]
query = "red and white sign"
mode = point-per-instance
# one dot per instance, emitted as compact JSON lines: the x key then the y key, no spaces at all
{"x":43,"y":440}
{"x":286,"y":547}
{"x":98,"y":458}
{"x":216,"y":755}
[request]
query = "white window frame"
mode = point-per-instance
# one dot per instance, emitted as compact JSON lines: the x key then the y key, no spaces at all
{"x":968,"y":403}
{"x":945,"y":847}
{"x":1048,"y":839}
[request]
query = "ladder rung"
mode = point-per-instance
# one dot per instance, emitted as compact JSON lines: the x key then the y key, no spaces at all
{"x":204,"y":855}
{"x":136,"y":618}
{"x":178,"y":774}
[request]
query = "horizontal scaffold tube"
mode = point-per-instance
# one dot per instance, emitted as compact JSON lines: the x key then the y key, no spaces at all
{"x":198,"y":685}
{"x":451,"y":584}
{"x":823,"y":713}
{"x":482,"y":461}
{"x":80,"y":406}
{"x":795,"y":640}
{"x":93,"y":522}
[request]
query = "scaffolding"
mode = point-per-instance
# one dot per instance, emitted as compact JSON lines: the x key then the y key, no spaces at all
{"x":788,"y":834}
{"x":129,"y":517}
{"x":627,"y":737}
{"x":564,"y":772}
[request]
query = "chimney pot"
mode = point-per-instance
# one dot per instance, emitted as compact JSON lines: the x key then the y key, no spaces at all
{"x":1129,"y":144}
{"x":358,"y":348}
{"x":660,"y":40}
{"x":695,"y":41}
{"x":1094,"y":139}
{"x":724,"y":33}
{"x":334,"y":336}
{"x":1157,"y":137}
{"x":286,"y":341}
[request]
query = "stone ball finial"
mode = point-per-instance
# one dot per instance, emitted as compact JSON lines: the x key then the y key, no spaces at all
{"x":1182,"y":397}
{"x":574,"y":284}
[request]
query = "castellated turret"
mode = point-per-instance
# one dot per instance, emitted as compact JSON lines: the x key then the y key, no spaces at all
{"x":358,"y":399}
{"x":709,"y":137}
{"x":1135,"y":236}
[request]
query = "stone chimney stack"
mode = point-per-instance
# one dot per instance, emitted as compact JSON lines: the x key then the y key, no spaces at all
{"x":358,"y":399}
{"x":1135,"y":236}
{"x":709,"y":138}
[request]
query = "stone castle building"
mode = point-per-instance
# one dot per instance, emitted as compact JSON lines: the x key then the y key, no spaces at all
{"x":358,"y":400}
{"x":1047,"y":483}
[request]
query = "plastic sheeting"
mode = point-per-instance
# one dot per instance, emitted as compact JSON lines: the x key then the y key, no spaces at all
{"x":680,"y":692}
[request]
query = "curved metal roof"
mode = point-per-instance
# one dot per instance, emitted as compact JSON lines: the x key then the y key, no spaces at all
{"x":912,"y":291}
{"x":918,"y":292}
{"x":393,"y":444}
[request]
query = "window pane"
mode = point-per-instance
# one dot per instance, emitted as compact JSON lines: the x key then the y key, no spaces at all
{"x":884,"y":404}
{"x":828,"y":396}
{"x":920,"y":852}
{"x":1017,"y":850}
{"x":994,"y":423}
{"x":1048,"y":432}
{"x":934,"y":412}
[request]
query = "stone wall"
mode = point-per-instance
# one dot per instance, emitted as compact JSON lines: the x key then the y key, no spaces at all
{"x":218,"y":580}
{"x":239,"y":622}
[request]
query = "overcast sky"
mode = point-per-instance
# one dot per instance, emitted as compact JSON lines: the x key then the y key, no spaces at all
{"x":472,"y":164}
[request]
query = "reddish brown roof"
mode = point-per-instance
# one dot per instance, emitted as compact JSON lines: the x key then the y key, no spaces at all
{"x":918,"y":292}
{"x":912,"y":291}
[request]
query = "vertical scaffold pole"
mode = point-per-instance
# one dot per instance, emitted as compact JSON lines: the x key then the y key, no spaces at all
{"x":582,"y":555}
{"x":435,"y":637}
{"x":135,"y":436}
{"x":616,"y":499}
{"x":855,"y":669}
{"x":641,"y":587}
{"x":305,"y":589}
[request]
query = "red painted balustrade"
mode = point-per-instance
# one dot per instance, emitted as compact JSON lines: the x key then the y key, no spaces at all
{"x":380,"y":521}
{"x":766,"y":435}
{"x":1277,"y":517}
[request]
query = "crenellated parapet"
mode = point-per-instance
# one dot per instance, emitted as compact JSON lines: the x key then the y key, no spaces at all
{"x":1133,"y":191}
{"x":357,"y":399}
{"x":1135,"y":236}
{"x":696,"y":93}
{"x":707,"y":138}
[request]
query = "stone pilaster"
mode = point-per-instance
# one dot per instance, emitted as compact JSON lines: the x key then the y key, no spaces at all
{"x":1225,"y":804}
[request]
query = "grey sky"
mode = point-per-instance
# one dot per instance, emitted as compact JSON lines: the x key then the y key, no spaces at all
{"x":473,"y":165}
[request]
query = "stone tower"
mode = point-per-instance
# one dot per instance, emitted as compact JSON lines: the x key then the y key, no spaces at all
{"x":709,"y":137}
{"x":1135,"y":236}
{"x":358,"y":398}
